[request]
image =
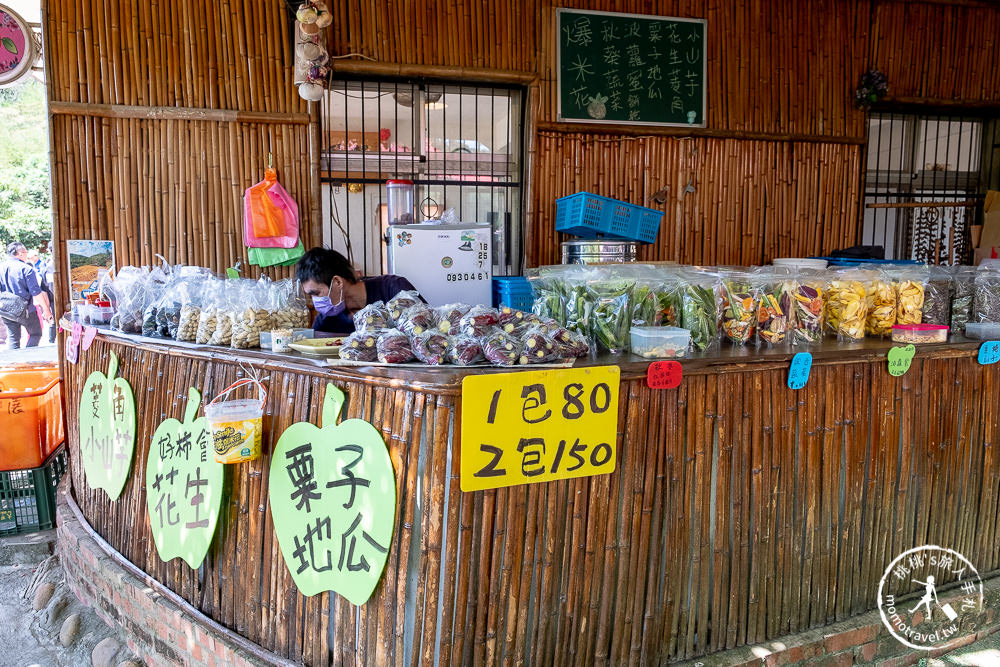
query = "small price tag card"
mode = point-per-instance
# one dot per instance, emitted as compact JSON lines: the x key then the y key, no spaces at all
{"x":72,"y":349}
{"x":664,"y":375}
{"x":989,"y":352}
{"x":798,"y":372}
{"x":900,"y":358}
{"x":538,"y":426}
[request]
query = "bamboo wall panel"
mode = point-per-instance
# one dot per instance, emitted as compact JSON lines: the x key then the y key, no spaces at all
{"x":938,"y":52}
{"x":729,"y":201}
{"x":172,"y":187}
{"x":780,"y":67}
{"x":740,"y":511}
{"x":129,"y":165}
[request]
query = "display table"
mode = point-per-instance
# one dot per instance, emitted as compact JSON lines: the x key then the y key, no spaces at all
{"x":740,"y":509}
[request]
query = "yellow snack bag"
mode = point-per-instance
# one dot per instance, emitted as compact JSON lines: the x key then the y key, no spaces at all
{"x":846,"y":305}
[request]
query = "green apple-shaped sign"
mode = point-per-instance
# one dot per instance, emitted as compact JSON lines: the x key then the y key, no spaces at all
{"x":333,"y":501}
{"x":183,"y":486}
{"x":107,"y":430}
{"x":900,"y":359}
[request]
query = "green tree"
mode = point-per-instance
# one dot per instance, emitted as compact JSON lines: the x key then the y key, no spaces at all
{"x":25,"y":213}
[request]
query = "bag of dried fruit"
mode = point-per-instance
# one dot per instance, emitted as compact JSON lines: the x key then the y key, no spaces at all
{"x":880,"y":296}
{"x":910,"y":285}
{"x":775,"y":306}
{"x":740,"y":299}
{"x":809,"y":306}
{"x":846,"y":303}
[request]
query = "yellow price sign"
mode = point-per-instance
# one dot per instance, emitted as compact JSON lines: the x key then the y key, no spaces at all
{"x":538,"y":426}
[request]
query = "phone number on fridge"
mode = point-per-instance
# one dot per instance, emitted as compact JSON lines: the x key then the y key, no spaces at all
{"x":461,"y":277}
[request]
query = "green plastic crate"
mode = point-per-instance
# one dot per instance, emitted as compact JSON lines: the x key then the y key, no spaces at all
{"x":28,"y":497}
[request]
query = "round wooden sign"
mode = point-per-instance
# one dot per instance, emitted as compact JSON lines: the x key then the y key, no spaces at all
{"x":17,"y":46}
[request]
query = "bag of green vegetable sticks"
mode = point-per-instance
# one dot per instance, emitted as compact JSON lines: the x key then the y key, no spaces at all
{"x":549,"y":290}
{"x":610,"y":293}
{"x":700,"y":306}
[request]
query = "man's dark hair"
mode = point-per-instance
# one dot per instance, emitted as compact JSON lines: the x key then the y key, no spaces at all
{"x":322,"y":264}
{"x":14,"y":247}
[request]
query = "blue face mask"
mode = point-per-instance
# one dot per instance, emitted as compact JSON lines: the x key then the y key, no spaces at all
{"x":325,"y":307}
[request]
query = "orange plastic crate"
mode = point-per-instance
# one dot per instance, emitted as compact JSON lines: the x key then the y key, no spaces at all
{"x":31,"y":416}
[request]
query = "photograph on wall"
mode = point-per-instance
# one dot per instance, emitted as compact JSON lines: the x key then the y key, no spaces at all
{"x":89,"y":261}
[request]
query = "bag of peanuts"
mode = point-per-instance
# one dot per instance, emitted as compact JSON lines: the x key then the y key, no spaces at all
{"x":253,"y":314}
{"x":227,"y":300}
{"x":290,"y":310}
{"x":208,"y":314}
{"x":188,"y":293}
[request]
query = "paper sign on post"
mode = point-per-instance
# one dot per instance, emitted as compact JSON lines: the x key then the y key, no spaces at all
{"x":664,"y":375}
{"x":989,"y":352}
{"x":798,"y":372}
{"x":900,"y":359}
{"x":538,"y":426}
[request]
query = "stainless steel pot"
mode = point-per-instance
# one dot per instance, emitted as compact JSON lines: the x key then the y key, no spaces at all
{"x":599,"y":251}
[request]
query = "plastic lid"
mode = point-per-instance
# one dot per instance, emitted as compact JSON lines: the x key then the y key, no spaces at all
{"x":399,"y":182}
{"x":919,"y":327}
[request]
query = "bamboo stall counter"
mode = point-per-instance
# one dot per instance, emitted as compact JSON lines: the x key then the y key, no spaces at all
{"x":739,"y":510}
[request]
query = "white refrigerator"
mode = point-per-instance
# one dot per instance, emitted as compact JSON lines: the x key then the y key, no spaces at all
{"x":446,"y":263}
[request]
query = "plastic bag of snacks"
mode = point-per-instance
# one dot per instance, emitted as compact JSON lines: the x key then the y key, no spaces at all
{"x":191,"y":295}
{"x":227,"y":300}
{"x":937,"y":297}
{"x":360,"y":346}
{"x":373,"y":316}
{"x":775,"y":307}
{"x":501,"y":349}
{"x":417,"y":319}
{"x":963,"y":283}
{"x":846,"y":304}
{"x":253,"y":315}
{"x":398,"y":304}
{"x":130,"y":293}
{"x":809,"y":306}
{"x":739,"y":306}
{"x":449,"y":317}
{"x":909,"y":283}
{"x":430,"y":347}
{"x":570,"y":344}
{"x":700,"y":307}
{"x":880,"y":296}
{"x":208,"y":315}
{"x":156,"y":286}
{"x":393,"y":347}
{"x":479,"y":321}
{"x":610,"y":317}
{"x":986,"y":295}
{"x":290,"y":310}
{"x":464,"y":350}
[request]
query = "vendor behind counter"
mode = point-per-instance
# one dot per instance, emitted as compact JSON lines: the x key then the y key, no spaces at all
{"x":337,"y":293}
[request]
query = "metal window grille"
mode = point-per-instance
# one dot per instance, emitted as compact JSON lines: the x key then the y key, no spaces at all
{"x":924,"y":183}
{"x":461,"y":145}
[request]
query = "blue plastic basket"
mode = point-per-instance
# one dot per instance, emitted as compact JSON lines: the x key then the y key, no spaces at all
{"x":593,"y":216}
{"x":848,"y":261}
{"x":513,"y":291}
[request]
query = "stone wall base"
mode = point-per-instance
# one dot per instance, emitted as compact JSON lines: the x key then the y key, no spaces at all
{"x":159,"y":626}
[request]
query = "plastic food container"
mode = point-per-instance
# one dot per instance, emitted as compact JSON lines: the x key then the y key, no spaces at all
{"x":297,"y":334}
{"x":660,"y":342}
{"x":919,"y":333}
{"x":399,"y":195}
{"x":237,"y":424}
{"x":100,"y":314}
{"x":31,"y":404}
{"x":801,"y":262}
{"x":983,"y":330}
{"x":281,"y":339}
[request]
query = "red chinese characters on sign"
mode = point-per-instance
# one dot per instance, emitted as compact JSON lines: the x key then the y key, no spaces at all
{"x":664,"y":375}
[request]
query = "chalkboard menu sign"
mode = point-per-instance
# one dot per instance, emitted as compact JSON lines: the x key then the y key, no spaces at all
{"x":632,"y":69}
